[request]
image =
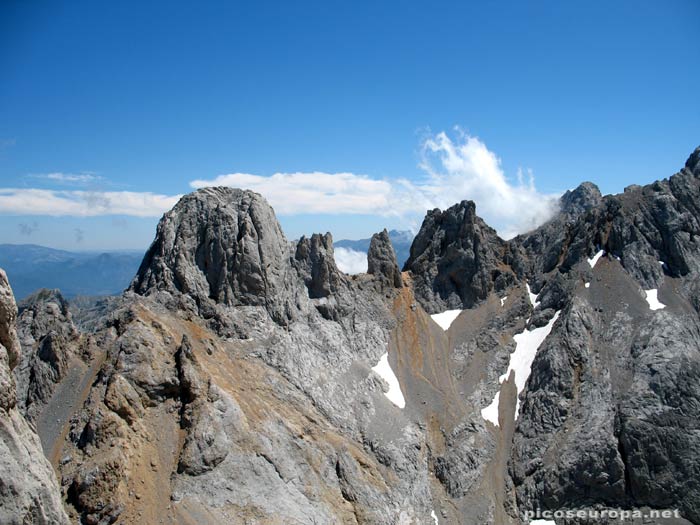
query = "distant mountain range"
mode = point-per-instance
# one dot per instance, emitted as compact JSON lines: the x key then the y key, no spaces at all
{"x":31,"y":267}
{"x":400,"y":240}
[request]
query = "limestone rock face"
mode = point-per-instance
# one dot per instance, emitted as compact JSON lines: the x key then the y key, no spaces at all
{"x":245,"y":379}
{"x":220,"y":245}
{"x":315,"y":263}
{"x":607,"y":415}
{"x":577,"y":201}
{"x":28,"y":489}
{"x":613,"y":390}
{"x":381,"y":260}
{"x":539,"y":252}
{"x":8,"y":329}
{"x":49,"y":340}
{"x":457,"y":260}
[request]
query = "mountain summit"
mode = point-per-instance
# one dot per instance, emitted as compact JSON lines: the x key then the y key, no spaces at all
{"x":243,"y":378}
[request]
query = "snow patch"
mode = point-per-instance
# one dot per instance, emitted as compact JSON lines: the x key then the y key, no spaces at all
{"x":653,"y":299}
{"x":432,"y":515}
{"x":587,"y":285}
{"x":383,"y":368}
{"x":490,"y":413}
{"x":594,"y":260}
{"x":527,"y":343}
{"x":503,"y":300}
{"x":533,"y":297}
{"x":543,"y":522}
{"x":445,"y":319}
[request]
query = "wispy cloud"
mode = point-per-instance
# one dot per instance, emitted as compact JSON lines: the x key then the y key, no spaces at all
{"x":79,"y":235}
{"x":27,"y":229}
{"x":6,"y":144}
{"x":120,"y":222}
{"x":79,"y":203}
{"x":85,"y":178}
{"x":69,"y":178}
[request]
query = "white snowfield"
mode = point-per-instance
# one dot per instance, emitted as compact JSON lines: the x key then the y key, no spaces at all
{"x":543,"y":522}
{"x":490,"y":413}
{"x":503,"y":300}
{"x":533,"y":296}
{"x":527,"y":343}
{"x":652,"y":297}
{"x":432,"y":515}
{"x":594,"y":260}
{"x":445,"y":319}
{"x":588,"y":285}
{"x":383,"y":368}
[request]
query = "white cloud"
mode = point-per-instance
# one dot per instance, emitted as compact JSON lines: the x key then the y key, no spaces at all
{"x":454,"y":170}
{"x":69,"y":178}
{"x":84,"y":203}
{"x":350,"y":261}
{"x":313,"y":192}
{"x":467,"y":169}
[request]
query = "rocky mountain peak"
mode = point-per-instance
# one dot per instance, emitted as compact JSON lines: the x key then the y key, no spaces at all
{"x":49,"y":340}
{"x":693,"y":162}
{"x":43,"y":312}
{"x":381,"y":260}
{"x":220,"y":245}
{"x":456,"y":259}
{"x":582,"y":198}
{"x":315,"y":262}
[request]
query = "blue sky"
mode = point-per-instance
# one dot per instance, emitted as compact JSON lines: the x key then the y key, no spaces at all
{"x":116,"y":108}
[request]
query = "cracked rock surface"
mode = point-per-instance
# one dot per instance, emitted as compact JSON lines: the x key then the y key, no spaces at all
{"x":29,"y":492}
{"x":238,"y":379}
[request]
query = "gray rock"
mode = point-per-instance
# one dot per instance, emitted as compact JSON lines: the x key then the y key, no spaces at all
{"x":575,"y":202}
{"x":609,"y":413}
{"x":457,"y":260}
{"x":28,"y":489}
{"x":49,"y":341}
{"x":603,"y":415}
{"x":381,"y":260}
{"x":224,"y":246}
